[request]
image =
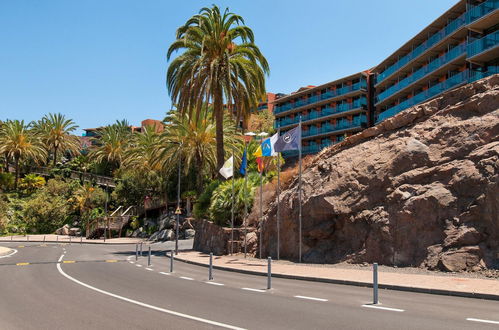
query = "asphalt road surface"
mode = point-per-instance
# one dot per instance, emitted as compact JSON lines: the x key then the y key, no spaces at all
{"x":76,"y":286}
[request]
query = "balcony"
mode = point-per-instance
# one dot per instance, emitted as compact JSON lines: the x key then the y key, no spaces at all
{"x":317,"y":98}
{"x":477,"y":75}
{"x":416,"y":52}
{"x":453,"y":81}
{"x":326,"y":112}
{"x":476,"y":12}
{"x":432,"y":66}
{"x":328,"y":128}
{"x":481,"y":50}
{"x":306,"y":150}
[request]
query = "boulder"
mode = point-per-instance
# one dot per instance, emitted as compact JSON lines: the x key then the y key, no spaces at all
{"x":74,"y":231}
{"x":166,"y":235}
{"x":466,"y":258}
{"x":64,"y":230}
{"x":189,"y":233}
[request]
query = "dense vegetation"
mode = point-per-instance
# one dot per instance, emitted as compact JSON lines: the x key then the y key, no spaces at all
{"x":216,"y":83}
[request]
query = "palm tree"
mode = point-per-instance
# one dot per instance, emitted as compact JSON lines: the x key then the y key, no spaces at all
{"x":193,"y":142}
{"x":19,"y":143}
{"x":215,"y":68}
{"x":111,"y":144}
{"x":55,"y":131}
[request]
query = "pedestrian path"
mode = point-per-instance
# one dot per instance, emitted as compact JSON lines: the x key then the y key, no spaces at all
{"x":438,"y":284}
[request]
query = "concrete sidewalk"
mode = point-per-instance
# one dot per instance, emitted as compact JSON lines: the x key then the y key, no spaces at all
{"x":435,"y":284}
{"x":66,"y":239}
{"x":4,"y":251}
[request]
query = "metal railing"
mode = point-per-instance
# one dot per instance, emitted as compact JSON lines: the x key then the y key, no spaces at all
{"x":480,"y":45}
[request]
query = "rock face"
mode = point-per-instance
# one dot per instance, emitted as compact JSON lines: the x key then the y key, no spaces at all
{"x":421,"y":189}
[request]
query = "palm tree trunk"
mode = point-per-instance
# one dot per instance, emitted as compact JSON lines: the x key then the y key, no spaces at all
{"x":7,"y":162}
{"x":55,"y":155}
{"x":219,"y":130}
{"x":17,"y":172}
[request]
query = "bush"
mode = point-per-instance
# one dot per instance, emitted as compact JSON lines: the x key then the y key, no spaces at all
{"x":203,"y":202}
{"x":221,"y":200}
{"x":3,"y":216}
{"x":44,"y":213}
{"x":6,"y":181}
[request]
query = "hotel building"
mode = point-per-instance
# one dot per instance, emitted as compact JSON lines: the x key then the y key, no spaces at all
{"x":459,"y":47}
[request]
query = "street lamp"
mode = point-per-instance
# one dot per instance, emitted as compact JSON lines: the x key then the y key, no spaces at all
{"x":177,"y":211}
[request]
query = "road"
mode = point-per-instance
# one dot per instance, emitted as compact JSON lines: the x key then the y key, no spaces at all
{"x":76,"y":286}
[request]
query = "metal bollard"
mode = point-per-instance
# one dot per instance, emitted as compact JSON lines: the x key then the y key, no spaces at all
{"x":149,"y":257}
{"x":105,"y":235}
{"x":141,"y":249}
{"x":43,"y":238}
{"x":269,"y":273}
{"x":171,"y":261}
{"x":81,"y":239}
{"x":375,"y":283}
{"x":69,"y":239}
{"x":136,"y":251}
{"x":27,"y":238}
{"x":57,"y":238}
{"x":11,"y":237}
{"x":210,"y":269}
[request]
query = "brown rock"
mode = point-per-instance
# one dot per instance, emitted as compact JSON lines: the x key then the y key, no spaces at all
{"x":420,"y":188}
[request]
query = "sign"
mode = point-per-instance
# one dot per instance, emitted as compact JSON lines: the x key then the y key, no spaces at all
{"x":177,"y":211}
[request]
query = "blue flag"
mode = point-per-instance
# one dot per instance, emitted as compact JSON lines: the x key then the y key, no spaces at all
{"x":291,"y":140}
{"x":268,"y":146}
{"x":244,"y":163}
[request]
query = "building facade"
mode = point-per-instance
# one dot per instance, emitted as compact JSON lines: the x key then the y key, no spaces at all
{"x":459,"y":47}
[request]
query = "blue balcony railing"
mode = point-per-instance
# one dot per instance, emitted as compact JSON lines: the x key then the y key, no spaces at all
{"x":328,"y":111}
{"x":481,"y":10}
{"x":432,"y":66}
{"x":476,"y":75}
{"x":478,"y":46}
{"x":435,"y":38}
{"x":341,"y":125}
{"x":324,"y":96}
{"x":453,"y":81}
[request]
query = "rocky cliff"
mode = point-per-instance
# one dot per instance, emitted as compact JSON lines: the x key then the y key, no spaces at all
{"x":419,"y":189}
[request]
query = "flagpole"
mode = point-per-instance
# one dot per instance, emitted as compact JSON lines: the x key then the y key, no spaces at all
{"x":278,"y":192}
{"x":261,"y":210}
{"x":299,"y":194}
{"x":245,"y":199}
{"x":232,"y":208}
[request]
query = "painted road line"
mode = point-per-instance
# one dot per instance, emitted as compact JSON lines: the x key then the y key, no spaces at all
{"x":14,"y":251}
{"x":68,"y":262}
{"x":186,"y":278}
{"x":254,"y":290}
{"x":481,"y":320}
{"x":22,"y":264}
{"x":164,"y":273}
{"x":138,"y":265}
{"x":132,"y":262}
{"x":60,"y":258}
{"x":384,"y":308}
{"x":149,"y":269}
{"x":159,"y":309}
{"x":111,"y":260}
{"x":214,"y":283}
{"x":20,"y":246}
{"x":310,"y":298}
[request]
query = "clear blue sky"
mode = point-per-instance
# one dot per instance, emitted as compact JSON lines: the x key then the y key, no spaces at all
{"x":101,"y":60}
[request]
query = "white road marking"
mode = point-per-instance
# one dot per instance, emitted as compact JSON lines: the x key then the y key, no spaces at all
{"x":255,"y":290}
{"x":186,"y":278}
{"x":132,"y":262}
{"x":138,"y":265}
{"x":164,"y":273}
{"x":159,"y":309}
{"x":311,"y":298}
{"x":384,"y":308}
{"x":10,"y":254}
{"x":149,"y":268}
{"x":60,"y":258}
{"x":214,"y":283}
{"x":481,"y":320}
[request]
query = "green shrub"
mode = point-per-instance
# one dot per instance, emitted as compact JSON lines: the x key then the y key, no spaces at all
{"x":44,"y":213}
{"x":6,"y":181}
{"x":203,"y":202}
{"x":221,"y":200}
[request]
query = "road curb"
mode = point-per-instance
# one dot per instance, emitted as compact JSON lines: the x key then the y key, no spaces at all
{"x":352,"y":283}
{"x":76,"y":241}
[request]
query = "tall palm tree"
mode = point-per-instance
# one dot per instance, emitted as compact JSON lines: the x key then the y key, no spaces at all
{"x":19,"y":143}
{"x":220,"y":64}
{"x":55,"y":130}
{"x":142,"y":152}
{"x":193,"y":142}
{"x":111,"y":144}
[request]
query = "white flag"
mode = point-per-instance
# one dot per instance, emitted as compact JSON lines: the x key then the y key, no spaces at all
{"x":227,"y":170}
